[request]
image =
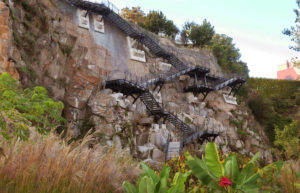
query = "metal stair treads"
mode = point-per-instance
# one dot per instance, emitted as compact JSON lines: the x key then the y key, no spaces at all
{"x":128,"y":88}
{"x":200,"y":136}
{"x":230,"y":82}
{"x":172,"y":150}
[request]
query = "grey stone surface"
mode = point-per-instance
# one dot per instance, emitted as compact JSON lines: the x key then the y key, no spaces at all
{"x":158,"y":155}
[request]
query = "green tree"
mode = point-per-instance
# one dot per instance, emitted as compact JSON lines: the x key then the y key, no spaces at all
{"x":201,"y":35}
{"x":186,"y":31}
{"x":170,"y":29}
{"x":294,"y":31}
{"x":156,"y":21}
{"x":228,"y":55}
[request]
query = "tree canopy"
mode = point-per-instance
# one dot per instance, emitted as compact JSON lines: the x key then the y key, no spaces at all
{"x":294,"y":31}
{"x":200,"y":35}
{"x":156,"y":22}
{"x":227,"y":54}
{"x":134,"y":15}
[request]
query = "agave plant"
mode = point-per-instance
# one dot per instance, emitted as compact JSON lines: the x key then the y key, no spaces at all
{"x":226,"y":177}
{"x":152,"y":183}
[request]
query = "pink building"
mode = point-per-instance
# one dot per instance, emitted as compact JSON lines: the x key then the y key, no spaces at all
{"x":289,"y":70}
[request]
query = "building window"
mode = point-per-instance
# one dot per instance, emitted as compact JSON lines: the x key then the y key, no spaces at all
{"x":83,"y":19}
{"x":135,"y":52}
{"x":98,"y":23}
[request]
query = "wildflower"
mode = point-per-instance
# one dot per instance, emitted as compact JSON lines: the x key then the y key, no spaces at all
{"x":224,"y":182}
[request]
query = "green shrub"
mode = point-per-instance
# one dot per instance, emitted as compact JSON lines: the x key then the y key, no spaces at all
{"x":237,"y":123}
{"x":241,"y":131}
{"x":288,"y":139}
{"x":152,"y":183}
{"x":263,"y":111}
{"x":281,"y":105}
{"x":274,"y":88}
{"x":19,"y":109}
{"x":261,"y":108}
{"x":274,"y":104}
{"x":228,"y":177}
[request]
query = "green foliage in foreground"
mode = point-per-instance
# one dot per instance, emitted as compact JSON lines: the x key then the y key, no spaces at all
{"x":211,"y":172}
{"x":152,"y":183}
{"x":213,"y":175}
{"x":20,"y":109}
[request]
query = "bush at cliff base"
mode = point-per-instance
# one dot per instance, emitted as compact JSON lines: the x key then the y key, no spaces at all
{"x":21,"y":109}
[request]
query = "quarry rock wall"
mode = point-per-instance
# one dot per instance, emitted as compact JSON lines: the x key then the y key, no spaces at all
{"x":51,"y":50}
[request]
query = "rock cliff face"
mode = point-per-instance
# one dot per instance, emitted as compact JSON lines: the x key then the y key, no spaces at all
{"x":6,"y":65}
{"x":41,"y":44}
{"x":48,"y":49}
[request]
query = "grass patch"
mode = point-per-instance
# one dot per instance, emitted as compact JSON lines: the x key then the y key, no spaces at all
{"x":49,"y":164}
{"x":241,"y":131}
{"x":237,"y":123}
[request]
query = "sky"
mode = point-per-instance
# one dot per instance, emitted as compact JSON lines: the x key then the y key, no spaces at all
{"x":255,"y":26}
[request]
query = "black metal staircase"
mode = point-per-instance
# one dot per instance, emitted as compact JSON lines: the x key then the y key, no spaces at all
{"x":139,"y":88}
{"x":126,"y":87}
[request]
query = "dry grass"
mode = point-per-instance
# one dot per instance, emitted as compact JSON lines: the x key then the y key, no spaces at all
{"x":288,"y":178}
{"x":48,"y":164}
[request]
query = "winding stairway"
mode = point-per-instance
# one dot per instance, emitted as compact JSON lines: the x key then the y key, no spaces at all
{"x":140,"y":89}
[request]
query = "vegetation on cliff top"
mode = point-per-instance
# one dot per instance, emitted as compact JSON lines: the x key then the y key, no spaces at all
{"x":154,"y":21}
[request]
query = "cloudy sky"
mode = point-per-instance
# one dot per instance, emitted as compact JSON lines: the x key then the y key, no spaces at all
{"x":255,"y":25}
